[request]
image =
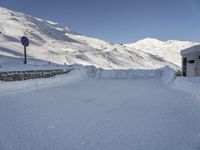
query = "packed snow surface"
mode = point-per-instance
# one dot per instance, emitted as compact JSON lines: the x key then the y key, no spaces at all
{"x":50,"y":41}
{"x":75,"y":112}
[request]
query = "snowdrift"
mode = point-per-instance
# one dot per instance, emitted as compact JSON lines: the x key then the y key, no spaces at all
{"x":190,"y":85}
{"x":38,"y":84}
{"x":99,"y":73}
{"x":165,"y":75}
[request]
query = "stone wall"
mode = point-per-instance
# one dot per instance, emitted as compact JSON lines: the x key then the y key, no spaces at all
{"x":31,"y":74}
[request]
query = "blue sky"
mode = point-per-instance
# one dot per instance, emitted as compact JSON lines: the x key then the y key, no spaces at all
{"x":119,"y":21}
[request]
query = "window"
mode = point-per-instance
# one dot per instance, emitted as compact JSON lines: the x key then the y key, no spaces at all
{"x":191,"y":61}
{"x":199,"y":57}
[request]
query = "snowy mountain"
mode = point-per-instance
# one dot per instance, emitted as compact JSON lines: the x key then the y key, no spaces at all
{"x":50,"y":41}
{"x":168,"y":50}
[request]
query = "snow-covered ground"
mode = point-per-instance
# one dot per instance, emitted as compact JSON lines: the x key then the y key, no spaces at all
{"x":16,"y":64}
{"x":50,"y":41}
{"x":79,"y":111}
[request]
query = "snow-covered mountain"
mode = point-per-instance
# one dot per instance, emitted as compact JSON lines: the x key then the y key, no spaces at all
{"x":168,"y":50}
{"x":53,"y":42}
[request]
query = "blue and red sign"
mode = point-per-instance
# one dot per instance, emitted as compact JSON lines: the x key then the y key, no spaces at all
{"x":25,"y":41}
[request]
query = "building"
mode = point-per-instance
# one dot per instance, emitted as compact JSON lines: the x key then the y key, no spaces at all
{"x":191,"y":61}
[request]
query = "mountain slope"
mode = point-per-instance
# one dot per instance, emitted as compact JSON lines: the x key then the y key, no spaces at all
{"x":50,"y":41}
{"x":169,"y":50}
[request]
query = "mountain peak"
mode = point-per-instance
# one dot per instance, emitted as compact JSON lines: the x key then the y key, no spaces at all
{"x":146,"y":41}
{"x":150,"y":41}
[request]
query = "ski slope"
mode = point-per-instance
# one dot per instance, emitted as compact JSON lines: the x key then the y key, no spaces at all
{"x":75,"y":112}
{"x":52,"y":42}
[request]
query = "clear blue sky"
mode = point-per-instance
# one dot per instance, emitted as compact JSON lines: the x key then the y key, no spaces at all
{"x":119,"y":21}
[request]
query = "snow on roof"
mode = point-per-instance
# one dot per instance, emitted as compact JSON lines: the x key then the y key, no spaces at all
{"x":191,"y":50}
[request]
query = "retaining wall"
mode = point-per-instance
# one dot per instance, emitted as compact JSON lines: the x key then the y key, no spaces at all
{"x":31,"y":74}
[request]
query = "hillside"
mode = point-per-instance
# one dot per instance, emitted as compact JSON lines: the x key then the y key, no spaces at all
{"x":168,"y":50}
{"x":53,"y":42}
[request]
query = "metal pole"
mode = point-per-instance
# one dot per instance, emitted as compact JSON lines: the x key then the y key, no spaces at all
{"x":25,"y":60}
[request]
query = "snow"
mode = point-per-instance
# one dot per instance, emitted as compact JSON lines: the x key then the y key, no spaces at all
{"x":52,"y":42}
{"x":190,"y":85}
{"x":168,"y":50}
{"x":94,"y":108}
{"x":191,"y":50}
{"x":167,"y":75}
{"x":80,"y":73}
{"x":99,"y":73}
{"x":77,"y":112}
{"x":38,"y":84}
{"x":16,"y":64}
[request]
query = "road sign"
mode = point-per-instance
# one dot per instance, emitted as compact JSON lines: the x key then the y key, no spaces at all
{"x":25,"y":41}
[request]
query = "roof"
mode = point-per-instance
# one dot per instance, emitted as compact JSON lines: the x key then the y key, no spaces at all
{"x":191,"y":50}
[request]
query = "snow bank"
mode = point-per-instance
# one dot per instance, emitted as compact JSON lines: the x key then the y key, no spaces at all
{"x":167,"y":75}
{"x":190,"y":85}
{"x":99,"y":73}
{"x":37,"y":84}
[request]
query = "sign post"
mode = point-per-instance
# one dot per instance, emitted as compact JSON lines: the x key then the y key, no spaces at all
{"x":25,"y":43}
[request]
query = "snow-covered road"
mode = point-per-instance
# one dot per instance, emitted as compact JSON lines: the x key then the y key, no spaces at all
{"x":100,"y":115}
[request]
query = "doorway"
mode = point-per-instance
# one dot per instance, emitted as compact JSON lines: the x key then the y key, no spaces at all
{"x":184,"y":67}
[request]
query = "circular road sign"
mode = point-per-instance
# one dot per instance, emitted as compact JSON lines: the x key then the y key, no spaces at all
{"x":25,"y":41}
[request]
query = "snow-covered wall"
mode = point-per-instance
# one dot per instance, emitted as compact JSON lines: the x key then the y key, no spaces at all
{"x":166,"y":74}
{"x":99,"y":73}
